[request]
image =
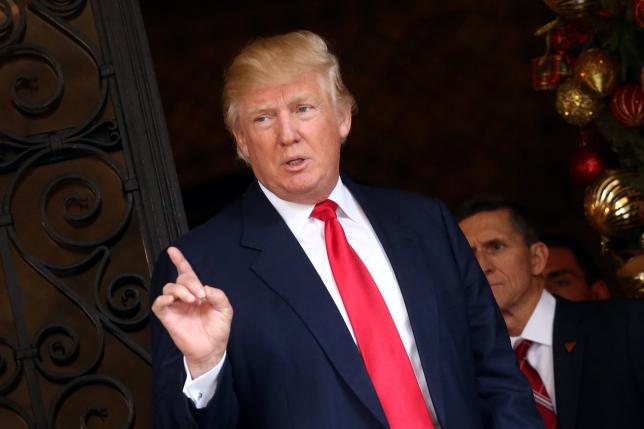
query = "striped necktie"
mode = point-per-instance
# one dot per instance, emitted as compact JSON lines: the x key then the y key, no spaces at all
{"x":541,"y":397}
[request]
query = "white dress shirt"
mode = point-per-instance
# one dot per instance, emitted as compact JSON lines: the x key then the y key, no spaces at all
{"x":309,"y":232}
{"x":539,"y":330}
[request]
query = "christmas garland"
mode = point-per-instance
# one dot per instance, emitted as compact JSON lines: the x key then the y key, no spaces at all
{"x":594,"y":60}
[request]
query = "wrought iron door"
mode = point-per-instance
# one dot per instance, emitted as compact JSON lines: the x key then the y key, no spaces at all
{"x":88,"y":198}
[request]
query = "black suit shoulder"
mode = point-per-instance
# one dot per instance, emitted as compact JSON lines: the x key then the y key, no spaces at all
{"x":422,"y":214}
{"x":598,"y":349}
{"x":600,"y":314}
{"x":392,"y":199}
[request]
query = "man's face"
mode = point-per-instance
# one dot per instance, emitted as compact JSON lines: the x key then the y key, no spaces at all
{"x":291,"y":135}
{"x":564,"y":276}
{"x":507,"y":261}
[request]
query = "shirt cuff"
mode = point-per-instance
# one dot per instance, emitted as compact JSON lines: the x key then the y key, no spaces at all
{"x":201,"y":390}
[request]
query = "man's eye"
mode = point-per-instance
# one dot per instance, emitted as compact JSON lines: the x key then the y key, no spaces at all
{"x":304,"y":108}
{"x":494,"y":247}
{"x":562,"y":280}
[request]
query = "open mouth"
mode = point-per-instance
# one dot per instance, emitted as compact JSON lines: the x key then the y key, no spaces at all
{"x":295,"y":162}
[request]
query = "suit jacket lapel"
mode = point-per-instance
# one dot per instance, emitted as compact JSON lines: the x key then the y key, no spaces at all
{"x":568,"y":352}
{"x":413,"y":273}
{"x":301,"y":287}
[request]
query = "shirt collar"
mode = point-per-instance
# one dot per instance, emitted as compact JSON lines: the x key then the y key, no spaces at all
{"x":539,"y":326}
{"x":296,"y":215}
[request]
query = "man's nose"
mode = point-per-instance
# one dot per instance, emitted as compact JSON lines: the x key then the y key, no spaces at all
{"x":288,"y":132}
{"x":485,"y":262}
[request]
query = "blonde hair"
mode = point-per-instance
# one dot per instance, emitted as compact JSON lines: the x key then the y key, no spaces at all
{"x":279,"y":60}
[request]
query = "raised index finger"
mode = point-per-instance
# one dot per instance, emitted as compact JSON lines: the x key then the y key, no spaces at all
{"x":179,"y":261}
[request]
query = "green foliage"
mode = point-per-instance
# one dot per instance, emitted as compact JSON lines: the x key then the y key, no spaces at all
{"x":628,"y":143}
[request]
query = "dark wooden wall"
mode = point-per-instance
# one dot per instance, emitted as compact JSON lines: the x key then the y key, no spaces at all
{"x":443,"y":88}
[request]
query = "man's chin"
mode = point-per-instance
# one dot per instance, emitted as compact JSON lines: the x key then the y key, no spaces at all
{"x":305,"y":194}
{"x":499,"y":298}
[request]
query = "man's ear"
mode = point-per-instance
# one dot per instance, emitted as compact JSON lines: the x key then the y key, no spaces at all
{"x":240,"y":141}
{"x":344,"y":124}
{"x":600,"y":290}
{"x":538,"y":257}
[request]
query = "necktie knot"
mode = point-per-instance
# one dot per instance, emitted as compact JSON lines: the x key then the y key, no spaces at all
{"x":325,"y":210}
{"x":522,"y":349}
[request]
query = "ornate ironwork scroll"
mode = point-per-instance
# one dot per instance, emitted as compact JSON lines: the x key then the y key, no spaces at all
{"x":76,"y":243}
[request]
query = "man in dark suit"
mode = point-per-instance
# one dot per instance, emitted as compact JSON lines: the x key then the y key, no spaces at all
{"x":588,"y":356}
{"x":354,"y":307}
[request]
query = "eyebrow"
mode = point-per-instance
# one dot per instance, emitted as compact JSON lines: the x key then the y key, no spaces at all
{"x":252,"y":113}
{"x":296,"y":99}
{"x":484,"y":245}
{"x":493,"y":242}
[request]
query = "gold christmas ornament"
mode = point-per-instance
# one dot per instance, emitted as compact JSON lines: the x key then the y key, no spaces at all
{"x":598,"y":70}
{"x":576,"y":104}
{"x":630,"y":277}
{"x":571,"y":9}
{"x":614,"y":205}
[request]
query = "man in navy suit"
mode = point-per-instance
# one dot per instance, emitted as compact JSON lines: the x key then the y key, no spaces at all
{"x":589,"y":356}
{"x":297,"y":354}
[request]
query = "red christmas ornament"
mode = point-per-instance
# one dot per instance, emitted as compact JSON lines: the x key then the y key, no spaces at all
{"x":586,"y":165}
{"x":638,"y":11}
{"x":627,"y":105}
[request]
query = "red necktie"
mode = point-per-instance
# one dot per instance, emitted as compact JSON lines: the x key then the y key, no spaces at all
{"x":380,"y":345}
{"x":544,"y":404}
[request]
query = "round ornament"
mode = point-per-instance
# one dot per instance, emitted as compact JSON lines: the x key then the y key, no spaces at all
{"x":638,"y":12}
{"x":614,"y":205}
{"x":573,"y":8}
{"x":630,"y":277}
{"x":586,"y":165}
{"x":627,"y":105}
{"x":598,"y":70}
{"x":576,"y":104}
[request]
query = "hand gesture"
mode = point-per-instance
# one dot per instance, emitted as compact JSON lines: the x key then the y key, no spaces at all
{"x":197,"y":317}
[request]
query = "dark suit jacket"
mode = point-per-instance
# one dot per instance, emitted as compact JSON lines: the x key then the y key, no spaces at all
{"x":598,"y":349}
{"x":291,"y":361}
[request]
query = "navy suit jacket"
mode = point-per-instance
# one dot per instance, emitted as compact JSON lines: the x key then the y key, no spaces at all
{"x":291,"y":361}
